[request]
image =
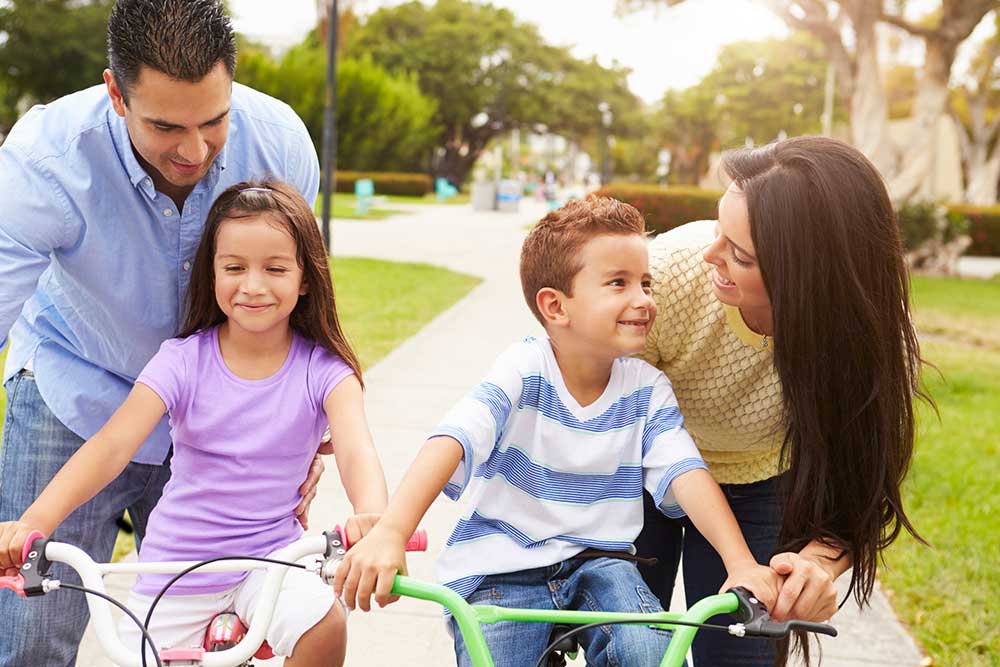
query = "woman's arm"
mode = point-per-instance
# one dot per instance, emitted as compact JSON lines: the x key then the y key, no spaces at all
{"x":357,"y":461}
{"x":705,"y":505}
{"x":90,"y":469}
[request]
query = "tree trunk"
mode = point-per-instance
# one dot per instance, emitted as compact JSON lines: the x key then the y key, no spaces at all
{"x":982,"y":169}
{"x":916,"y":176}
{"x":869,"y":109}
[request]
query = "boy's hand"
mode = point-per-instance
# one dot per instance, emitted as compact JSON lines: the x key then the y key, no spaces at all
{"x":13,"y":535}
{"x":371,"y":566}
{"x":759,"y":579}
{"x":807,"y":591}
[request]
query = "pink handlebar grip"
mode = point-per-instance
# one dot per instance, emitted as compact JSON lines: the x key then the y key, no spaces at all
{"x":418,"y":542}
{"x":32,"y":536}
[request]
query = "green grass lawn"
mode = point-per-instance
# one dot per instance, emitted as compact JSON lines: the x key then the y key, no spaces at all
{"x":961,"y":310}
{"x":949,"y":593}
{"x":344,"y":208}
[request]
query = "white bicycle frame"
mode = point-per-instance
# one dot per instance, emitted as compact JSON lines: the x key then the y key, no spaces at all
{"x":93,"y":575}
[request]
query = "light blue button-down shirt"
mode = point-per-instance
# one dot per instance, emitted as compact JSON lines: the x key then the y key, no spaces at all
{"x":94,"y":262}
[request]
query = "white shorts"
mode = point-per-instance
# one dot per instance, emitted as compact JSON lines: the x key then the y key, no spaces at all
{"x":181,"y":620}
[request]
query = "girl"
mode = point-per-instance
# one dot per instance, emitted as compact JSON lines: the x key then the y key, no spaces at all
{"x":259,"y":370}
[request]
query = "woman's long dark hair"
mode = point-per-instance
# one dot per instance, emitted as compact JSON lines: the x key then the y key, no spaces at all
{"x":315,"y":314}
{"x":845,"y":349}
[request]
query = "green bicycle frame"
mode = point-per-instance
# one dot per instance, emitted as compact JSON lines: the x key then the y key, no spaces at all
{"x":470,"y":617}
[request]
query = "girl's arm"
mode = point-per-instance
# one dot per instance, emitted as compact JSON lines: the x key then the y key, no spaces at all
{"x":357,"y":461}
{"x":705,"y":505}
{"x":372,"y":564}
{"x":90,"y":469}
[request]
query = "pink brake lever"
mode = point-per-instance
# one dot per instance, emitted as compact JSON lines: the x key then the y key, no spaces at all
{"x":418,"y":541}
{"x":16,"y":582}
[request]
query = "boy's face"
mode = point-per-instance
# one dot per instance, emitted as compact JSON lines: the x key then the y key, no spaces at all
{"x":612,"y":309}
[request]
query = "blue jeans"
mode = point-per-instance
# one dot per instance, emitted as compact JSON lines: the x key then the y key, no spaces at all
{"x":590,"y":584}
{"x":758,"y":511}
{"x":47,"y":630}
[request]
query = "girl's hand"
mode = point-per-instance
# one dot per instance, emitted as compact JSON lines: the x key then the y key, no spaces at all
{"x":807,"y":592}
{"x":13,"y":535}
{"x":759,"y":579}
{"x":371,"y":566}
{"x":359,"y":525}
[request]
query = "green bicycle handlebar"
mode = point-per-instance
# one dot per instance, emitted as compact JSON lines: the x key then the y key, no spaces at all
{"x":470,"y":617}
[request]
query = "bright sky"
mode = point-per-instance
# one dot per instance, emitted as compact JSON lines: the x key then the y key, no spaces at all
{"x":664,"y":48}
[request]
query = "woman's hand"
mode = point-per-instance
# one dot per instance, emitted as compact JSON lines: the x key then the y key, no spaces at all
{"x":369,"y":567}
{"x":807,"y":591}
{"x":13,"y":535}
{"x":759,"y":579}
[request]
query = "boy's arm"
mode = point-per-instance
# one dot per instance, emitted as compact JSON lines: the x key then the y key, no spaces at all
{"x":90,"y":469}
{"x":357,"y":461}
{"x":705,"y":505}
{"x":372,"y":564}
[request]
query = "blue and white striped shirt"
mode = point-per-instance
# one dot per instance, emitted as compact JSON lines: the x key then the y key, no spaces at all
{"x":94,"y":262}
{"x":549,"y":478}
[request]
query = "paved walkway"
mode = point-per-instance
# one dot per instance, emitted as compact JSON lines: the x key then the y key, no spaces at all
{"x":420,"y":380}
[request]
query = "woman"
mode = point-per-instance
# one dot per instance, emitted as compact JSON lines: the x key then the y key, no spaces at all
{"x":785,"y":329}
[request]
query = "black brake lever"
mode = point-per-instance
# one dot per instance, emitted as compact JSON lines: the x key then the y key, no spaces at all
{"x":756,"y":621}
{"x":35,"y":568}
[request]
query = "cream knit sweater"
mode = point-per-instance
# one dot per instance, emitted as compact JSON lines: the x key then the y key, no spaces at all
{"x":722,"y":372}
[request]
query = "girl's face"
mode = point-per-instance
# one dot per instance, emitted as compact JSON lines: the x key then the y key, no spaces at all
{"x":736,"y":277}
{"x":258,"y":279}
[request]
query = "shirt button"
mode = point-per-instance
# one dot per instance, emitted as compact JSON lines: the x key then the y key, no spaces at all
{"x":167,"y":212}
{"x":147,"y":182}
{"x":187,"y":266}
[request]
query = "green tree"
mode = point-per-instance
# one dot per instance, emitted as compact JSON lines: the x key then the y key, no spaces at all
{"x":383,"y":121}
{"x":687,"y":124}
{"x":49,"y":48}
{"x":488,"y":72}
{"x":768,"y":87}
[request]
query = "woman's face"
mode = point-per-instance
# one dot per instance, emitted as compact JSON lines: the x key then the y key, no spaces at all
{"x":736,"y":277}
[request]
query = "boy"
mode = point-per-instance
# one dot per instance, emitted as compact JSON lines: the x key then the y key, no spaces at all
{"x":558,"y":442}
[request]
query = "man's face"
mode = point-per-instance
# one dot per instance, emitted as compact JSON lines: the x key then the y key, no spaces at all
{"x":176,"y":127}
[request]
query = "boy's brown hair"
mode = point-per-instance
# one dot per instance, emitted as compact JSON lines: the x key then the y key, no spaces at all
{"x":550,"y":256}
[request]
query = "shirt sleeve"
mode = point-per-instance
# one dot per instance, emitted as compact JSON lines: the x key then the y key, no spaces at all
{"x":667,"y":448}
{"x":306,"y":170}
{"x":166,"y":375}
{"x":326,"y":371}
{"x":479,"y":419}
{"x":33,"y":222}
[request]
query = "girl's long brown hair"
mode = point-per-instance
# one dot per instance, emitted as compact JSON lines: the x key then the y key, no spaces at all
{"x":845,"y":348}
{"x":315,"y":314}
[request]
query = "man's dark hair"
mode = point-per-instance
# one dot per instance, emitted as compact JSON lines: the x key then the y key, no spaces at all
{"x":184,"y":39}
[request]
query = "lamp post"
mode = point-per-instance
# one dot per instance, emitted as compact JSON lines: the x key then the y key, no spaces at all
{"x":329,"y":122}
{"x":602,"y":147}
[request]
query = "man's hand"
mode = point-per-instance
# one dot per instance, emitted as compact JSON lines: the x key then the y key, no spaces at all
{"x":807,"y":592}
{"x":308,"y":488}
{"x":13,"y":535}
{"x":371,"y":566}
{"x":761,"y":580}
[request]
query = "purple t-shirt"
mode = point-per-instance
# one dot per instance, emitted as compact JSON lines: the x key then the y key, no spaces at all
{"x":242,"y":448}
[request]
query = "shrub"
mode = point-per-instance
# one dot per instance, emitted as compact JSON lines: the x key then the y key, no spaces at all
{"x":923,"y":221}
{"x":666,"y":207}
{"x":984,"y":228}
{"x":387,"y":182}
{"x":383,"y":120}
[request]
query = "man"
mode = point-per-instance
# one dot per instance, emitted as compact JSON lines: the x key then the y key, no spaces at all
{"x":103,"y":197}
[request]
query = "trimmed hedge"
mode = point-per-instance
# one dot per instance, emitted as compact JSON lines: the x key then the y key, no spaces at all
{"x":984,"y":228}
{"x":387,"y":182}
{"x":666,"y":207}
